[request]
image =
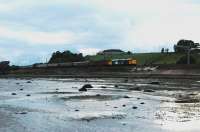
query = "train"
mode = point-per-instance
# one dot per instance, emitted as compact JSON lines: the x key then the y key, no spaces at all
{"x":114,"y":62}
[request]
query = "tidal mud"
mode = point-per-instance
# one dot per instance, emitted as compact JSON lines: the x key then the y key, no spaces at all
{"x":113,"y":105}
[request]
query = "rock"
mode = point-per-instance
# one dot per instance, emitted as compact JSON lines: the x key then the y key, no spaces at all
{"x":28,"y":95}
{"x":142,"y":103}
{"x":21,"y":113}
{"x":87,"y":86}
{"x":21,"y":89}
{"x":76,"y":110}
{"x":126,"y":97}
{"x":124,"y":124}
{"x":84,"y":88}
{"x":137,"y":89}
{"x":149,"y":90}
{"x":126,"y":80}
{"x":98,"y":95}
{"x":116,"y":86}
{"x":192,"y":94}
{"x":155,"y":83}
{"x":103,"y":87}
{"x":188,"y":101}
{"x":115,"y":107}
{"x":124,"y":105}
{"x":134,"y":107}
{"x":14,"y":94}
{"x":138,"y":98}
{"x":28,"y":82}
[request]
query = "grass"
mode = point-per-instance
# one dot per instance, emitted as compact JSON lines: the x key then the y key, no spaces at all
{"x":146,"y":58}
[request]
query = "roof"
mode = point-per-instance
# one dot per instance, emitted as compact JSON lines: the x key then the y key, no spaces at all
{"x":121,"y":59}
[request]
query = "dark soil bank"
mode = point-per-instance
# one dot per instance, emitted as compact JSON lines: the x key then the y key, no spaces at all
{"x":155,"y":71}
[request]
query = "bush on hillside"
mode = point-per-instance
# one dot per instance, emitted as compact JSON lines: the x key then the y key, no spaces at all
{"x":183,"y":60}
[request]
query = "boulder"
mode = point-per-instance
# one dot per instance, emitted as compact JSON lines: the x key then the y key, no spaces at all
{"x":134,"y":107}
{"x":126,"y":97}
{"x":98,"y":95}
{"x":14,"y":94}
{"x":85,"y":87}
{"x":116,"y":86}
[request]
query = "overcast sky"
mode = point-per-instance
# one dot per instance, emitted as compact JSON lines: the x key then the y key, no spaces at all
{"x":30,"y":30}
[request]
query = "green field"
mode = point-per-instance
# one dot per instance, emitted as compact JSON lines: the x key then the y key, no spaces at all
{"x":146,"y":58}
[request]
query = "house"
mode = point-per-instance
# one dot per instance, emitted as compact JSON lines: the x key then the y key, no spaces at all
{"x":111,"y":52}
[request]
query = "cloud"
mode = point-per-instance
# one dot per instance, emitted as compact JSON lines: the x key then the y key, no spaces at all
{"x":89,"y":51}
{"x":39,"y":37}
{"x":91,"y":25}
{"x":153,"y":24}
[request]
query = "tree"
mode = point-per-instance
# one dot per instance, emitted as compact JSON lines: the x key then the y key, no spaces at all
{"x":167,"y":50}
{"x":4,"y":67}
{"x":162,"y":50}
{"x":66,"y":56}
{"x":129,"y":53}
{"x":183,"y":45}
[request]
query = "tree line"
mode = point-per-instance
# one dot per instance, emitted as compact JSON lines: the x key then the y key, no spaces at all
{"x":66,"y":56}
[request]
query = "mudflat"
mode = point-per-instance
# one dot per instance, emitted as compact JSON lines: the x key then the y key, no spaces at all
{"x":113,"y":104}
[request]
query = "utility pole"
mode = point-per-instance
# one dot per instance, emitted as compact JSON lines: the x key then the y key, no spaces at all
{"x":188,"y":50}
{"x":188,"y":56}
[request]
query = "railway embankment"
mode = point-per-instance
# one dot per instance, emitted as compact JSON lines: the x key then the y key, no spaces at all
{"x":153,"y":71}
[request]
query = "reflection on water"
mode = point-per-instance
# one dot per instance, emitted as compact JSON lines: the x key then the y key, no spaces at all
{"x":178,"y":116}
{"x":57,"y":105}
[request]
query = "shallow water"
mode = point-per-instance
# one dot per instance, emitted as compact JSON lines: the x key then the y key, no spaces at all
{"x":56,"y":105}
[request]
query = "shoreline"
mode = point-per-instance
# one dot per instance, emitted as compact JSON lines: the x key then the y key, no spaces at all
{"x":143,"y":72}
{"x":133,"y":76}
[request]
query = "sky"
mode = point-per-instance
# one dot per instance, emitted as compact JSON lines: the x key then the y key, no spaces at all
{"x":31,"y":30}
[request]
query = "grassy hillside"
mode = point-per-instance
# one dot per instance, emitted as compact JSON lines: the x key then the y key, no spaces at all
{"x":146,"y":58}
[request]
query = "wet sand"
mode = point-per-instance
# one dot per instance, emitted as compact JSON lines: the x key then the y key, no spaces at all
{"x":114,"y":105}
